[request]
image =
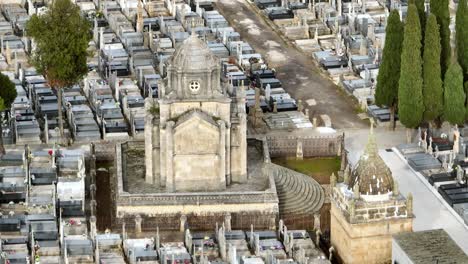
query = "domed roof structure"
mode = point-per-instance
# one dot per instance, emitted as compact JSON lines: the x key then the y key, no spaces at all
{"x":194,"y":55}
{"x":371,"y":172}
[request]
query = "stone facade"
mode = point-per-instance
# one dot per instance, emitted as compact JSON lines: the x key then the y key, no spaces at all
{"x":281,"y":145}
{"x":197,"y":141}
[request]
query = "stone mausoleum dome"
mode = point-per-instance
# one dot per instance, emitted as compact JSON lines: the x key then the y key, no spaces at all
{"x":371,"y":172}
{"x":194,"y":56}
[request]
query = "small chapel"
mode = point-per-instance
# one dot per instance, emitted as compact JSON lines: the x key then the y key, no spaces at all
{"x":198,"y":140}
{"x":367,"y":209}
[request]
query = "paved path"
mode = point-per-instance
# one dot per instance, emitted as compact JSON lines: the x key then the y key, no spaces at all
{"x":430,"y":212}
{"x":298,"y":73}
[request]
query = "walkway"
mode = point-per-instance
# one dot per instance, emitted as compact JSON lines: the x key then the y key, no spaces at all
{"x":297,"y":71}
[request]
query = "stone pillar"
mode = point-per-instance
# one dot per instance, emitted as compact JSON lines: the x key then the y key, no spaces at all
{"x":183,"y":221}
{"x":138,"y":220}
{"x":92,"y":224}
{"x":169,"y":156}
{"x":228,"y":154}
{"x":299,"y":150}
{"x":148,"y":142}
{"x":222,"y":153}
{"x":93,"y":205}
{"x":317,"y":221}
{"x":227,"y":221}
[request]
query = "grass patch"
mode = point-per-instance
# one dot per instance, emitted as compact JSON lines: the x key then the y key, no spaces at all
{"x":318,"y":168}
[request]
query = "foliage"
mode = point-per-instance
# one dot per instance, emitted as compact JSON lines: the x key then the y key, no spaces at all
{"x":433,"y":92}
{"x":466,"y":104}
{"x":154,"y":110}
{"x":7,"y":91}
{"x":440,"y":8}
{"x":2,"y":104}
{"x":461,"y":29}
{"x":454,"y":96}
{"x":421,"y":12}
{"x":386,"y":93}
{"x":410,"y":101}
{"x":61,"y":36}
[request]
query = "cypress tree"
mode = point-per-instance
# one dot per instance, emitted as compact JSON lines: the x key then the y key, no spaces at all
{"x":466,"y":103}
{"x":421,"y":12}
{"x":461,"y":29}
{"x":440,"y":8}
{"x":433,"y":92}
{"x":454,"y":96}
{"x":410,"y":101}
{"x":386,"y":93}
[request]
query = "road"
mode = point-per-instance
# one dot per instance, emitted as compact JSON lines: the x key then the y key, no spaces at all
{"x":298,"y":73}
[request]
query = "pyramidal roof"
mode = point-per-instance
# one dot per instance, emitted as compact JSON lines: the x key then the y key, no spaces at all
{"x":371,"y":173}
{"x":194,"y":55}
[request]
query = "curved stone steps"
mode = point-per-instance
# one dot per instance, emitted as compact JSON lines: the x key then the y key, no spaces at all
{"x":297,"y":193}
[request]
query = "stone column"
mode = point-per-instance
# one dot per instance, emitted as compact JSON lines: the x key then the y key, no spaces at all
{"x":148,"y":142}
{"x":222,"y":153}
{"x":227,"y":221}
{"x":170,"y":156}
{"x":138,"y":221}
{"x":92,"y":224}
{"x":228,"y":154}
{"x":183,"y":221}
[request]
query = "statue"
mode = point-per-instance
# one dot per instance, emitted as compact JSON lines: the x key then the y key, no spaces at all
{"x":456,"y":141}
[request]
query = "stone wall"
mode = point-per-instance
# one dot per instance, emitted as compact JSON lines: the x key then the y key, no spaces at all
{"x":312,"y":146}
{"x":369,"y":243}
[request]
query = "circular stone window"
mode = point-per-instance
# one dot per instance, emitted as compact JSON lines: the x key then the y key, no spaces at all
{"x":194,"y":86}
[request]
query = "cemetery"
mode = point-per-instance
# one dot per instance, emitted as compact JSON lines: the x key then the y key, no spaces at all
{"x":210,"y":158}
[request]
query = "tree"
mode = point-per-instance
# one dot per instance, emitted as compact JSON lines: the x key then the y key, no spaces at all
{"x":466,"y":104}
{"x":454,"y":95}
{"x":433,"y":92}
{"x":410,"y":101}
{"x":7,"y":97}
{"x":440,"y":8}
{"x":61,"y":36}
{"x":421,"y":12}
{"x":461,"y":29}
{"x":386,"y":93}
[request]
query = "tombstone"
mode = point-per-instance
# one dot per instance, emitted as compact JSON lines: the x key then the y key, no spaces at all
{"x":138,"y":221}
{"x":232,"y":255}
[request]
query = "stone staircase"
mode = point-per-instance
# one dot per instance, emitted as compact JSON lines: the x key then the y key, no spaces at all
{"x":297,"y":193}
